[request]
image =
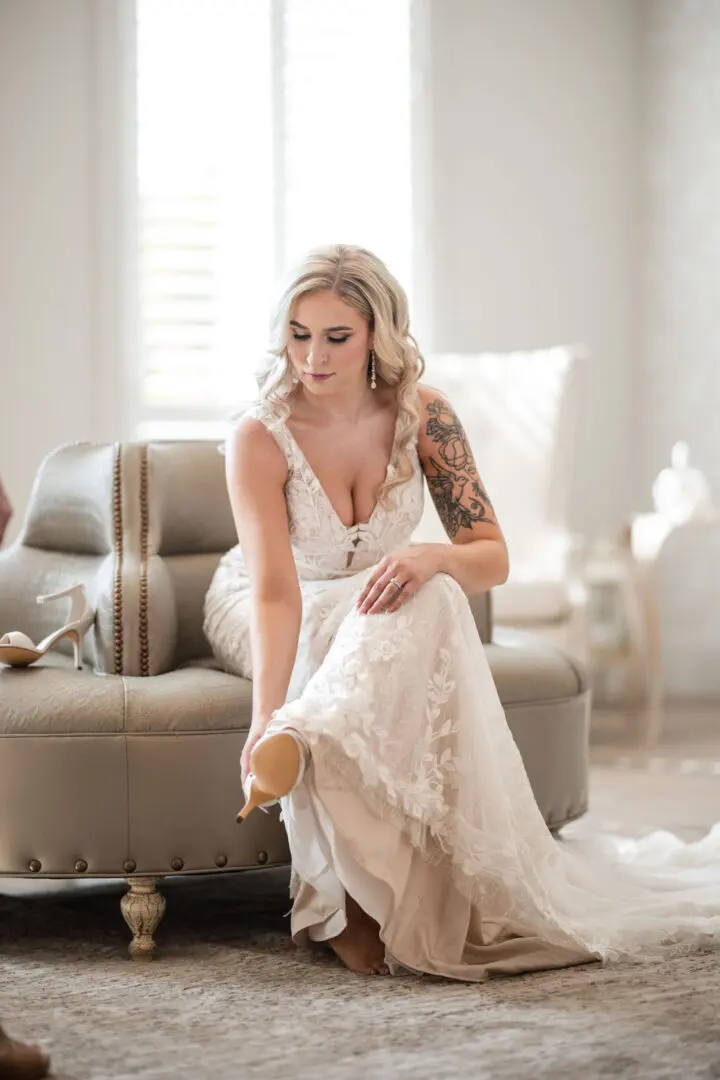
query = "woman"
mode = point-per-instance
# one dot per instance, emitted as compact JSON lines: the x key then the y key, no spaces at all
{"x":416,"y":841}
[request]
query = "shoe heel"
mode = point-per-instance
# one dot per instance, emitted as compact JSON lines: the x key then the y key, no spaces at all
{"x":255,"y":800}
{"x":277,"y":765}
{"x":77,"y":640}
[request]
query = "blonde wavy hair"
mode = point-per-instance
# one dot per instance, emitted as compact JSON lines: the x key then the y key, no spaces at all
{"x":363,"y":281}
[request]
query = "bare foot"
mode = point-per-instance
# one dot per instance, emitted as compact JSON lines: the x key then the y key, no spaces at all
{"x":359,"y":945}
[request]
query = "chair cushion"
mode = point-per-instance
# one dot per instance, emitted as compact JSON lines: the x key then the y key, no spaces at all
{"x":530,"y":603}
{"x":528,"y":669}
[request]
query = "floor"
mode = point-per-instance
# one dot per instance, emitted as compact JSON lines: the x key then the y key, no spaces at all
{"x":230,"y":995}
{"x":680,"y":787}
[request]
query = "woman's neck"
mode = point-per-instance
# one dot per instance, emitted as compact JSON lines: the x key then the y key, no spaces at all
{"x":346,"y":408}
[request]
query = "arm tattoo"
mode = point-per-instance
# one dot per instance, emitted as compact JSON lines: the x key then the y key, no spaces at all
{"x":455,"y":486}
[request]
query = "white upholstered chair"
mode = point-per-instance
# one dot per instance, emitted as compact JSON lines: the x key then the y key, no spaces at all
{"x":519,"y":410}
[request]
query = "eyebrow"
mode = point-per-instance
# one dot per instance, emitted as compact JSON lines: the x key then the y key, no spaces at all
{"x":328,"y":330}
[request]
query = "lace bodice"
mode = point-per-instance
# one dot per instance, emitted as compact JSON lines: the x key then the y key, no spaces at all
{"x":322,"y":545}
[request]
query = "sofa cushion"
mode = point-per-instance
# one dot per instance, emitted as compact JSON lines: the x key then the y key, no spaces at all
{"x":71,"y":508}
{"x":196,"y":698}
{"x":52,"y":698}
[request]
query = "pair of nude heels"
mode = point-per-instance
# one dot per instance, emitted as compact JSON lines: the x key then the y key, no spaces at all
{"x":18,"y":650}
{"x":277,"y":765}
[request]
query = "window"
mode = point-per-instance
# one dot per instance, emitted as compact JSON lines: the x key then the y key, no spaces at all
{"x":265,"y":127}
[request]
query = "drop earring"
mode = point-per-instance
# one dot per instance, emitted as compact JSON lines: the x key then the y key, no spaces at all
{"x":373,"y":382}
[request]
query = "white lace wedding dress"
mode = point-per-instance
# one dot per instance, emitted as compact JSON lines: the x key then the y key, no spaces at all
{"x":416,"y":800}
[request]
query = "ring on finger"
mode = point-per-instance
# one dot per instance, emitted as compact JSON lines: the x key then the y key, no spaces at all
{"x":394,"y":581}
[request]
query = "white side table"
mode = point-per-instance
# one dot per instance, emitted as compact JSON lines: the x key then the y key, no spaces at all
{"x":624,"y":585}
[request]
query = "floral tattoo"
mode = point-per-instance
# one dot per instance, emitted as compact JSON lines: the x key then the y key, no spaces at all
{"x":455,"y":486}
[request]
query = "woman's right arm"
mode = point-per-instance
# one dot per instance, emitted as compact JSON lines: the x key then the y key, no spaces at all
{"x":256,"y":472}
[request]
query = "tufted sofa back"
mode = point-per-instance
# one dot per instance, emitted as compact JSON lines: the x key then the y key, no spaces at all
{"x":143,"y":526}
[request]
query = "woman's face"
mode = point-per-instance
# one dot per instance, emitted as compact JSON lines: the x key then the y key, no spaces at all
{"x":329,"y":344}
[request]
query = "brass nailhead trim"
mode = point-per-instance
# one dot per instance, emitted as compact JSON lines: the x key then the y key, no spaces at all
{"x":118,"y":630}
{"x":34,"y":866}
{"x":143,"y":585}
{"x":221,"y":860}
{"x":177,"y":864}
{"x":129,"y":865}
{"x":80,"y":866}
{"x":262,"y":856}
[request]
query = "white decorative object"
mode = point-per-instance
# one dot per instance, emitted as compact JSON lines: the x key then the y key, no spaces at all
{"x":680,"y":492}
{"x":518,"y":410}
{"x":624,"y":577}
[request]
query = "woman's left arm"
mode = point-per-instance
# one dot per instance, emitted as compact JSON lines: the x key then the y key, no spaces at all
{"x":477,"y":555}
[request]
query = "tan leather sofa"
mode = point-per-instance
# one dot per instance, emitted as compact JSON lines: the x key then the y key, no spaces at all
{"x":129,"y":768}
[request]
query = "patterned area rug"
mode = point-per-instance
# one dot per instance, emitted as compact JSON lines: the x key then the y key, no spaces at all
{"x":230,"y":996}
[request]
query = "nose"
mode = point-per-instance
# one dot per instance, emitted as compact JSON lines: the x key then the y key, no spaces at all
{"x":315,"y":355}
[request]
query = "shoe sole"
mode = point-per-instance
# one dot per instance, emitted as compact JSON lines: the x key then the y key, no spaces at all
{"x":275,"y":761}
{"x":15,"y":656}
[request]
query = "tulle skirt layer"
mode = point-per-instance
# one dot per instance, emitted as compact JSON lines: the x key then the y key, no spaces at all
{"x":417,"y":803}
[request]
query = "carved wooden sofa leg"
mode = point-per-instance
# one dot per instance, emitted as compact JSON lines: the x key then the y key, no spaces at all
{"x":143,"y":908}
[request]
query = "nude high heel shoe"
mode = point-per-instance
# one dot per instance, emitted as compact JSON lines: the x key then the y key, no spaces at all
{"x":278,"y":763}
{"x":17,"y":649}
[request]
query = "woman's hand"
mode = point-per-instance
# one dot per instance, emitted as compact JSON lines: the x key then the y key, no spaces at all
{"x":256,"y":732}
{"x":411,"y":567}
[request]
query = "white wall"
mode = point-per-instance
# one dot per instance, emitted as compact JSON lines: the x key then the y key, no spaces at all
{"x":678,"y":370}
{"x":554,"y":126}
{"x":529,"y":236}
{"x":532,"y":235}
{"x":61,"y":333}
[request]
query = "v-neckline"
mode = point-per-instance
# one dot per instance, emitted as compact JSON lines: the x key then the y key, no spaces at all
{"x":323,"y":492}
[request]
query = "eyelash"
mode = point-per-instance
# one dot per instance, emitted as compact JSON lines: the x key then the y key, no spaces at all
{"x":334,"y":341}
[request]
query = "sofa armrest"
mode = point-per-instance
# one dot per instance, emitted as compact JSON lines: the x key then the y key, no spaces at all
{"x":481,"y":607}
{"x":69,"y":535}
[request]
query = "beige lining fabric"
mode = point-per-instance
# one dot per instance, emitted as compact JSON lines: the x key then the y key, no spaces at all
{"x":427,"y":926}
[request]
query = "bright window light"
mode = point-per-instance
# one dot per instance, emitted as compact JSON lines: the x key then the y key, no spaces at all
{"x":265,"y":127}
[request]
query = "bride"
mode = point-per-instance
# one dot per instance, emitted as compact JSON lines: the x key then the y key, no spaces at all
{"x":415,"y":838}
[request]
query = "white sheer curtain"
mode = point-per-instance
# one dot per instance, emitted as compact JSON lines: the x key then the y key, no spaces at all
{"x":265,"y":127}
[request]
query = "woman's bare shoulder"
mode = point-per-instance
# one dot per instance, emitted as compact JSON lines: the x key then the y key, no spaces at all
{"x":252,"y":444}
{"x":434,"y":405}
{"x":428,"y":395}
